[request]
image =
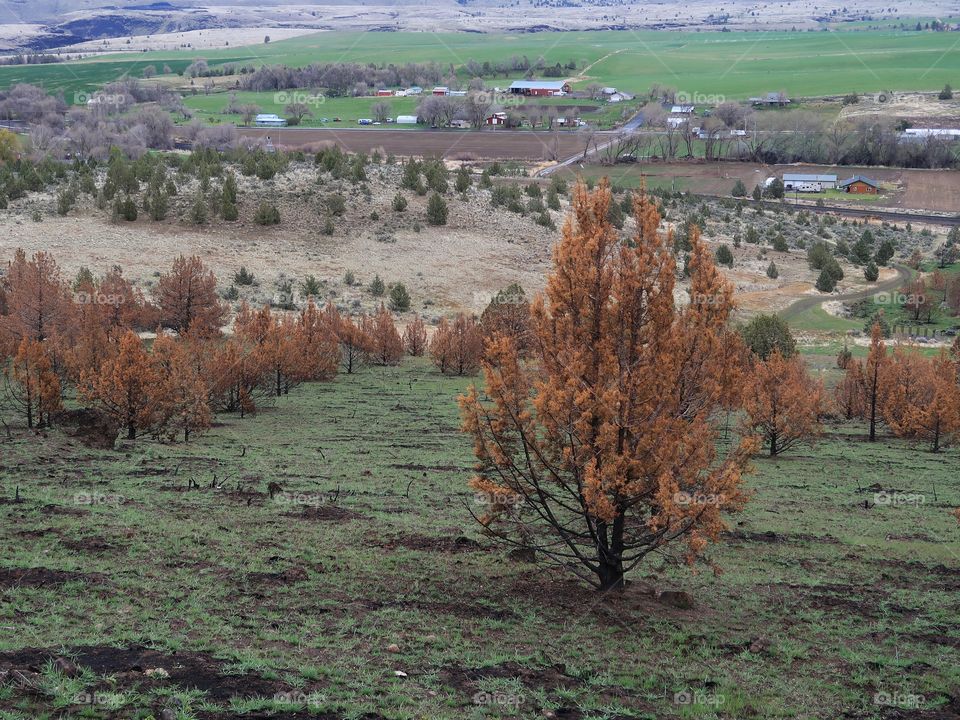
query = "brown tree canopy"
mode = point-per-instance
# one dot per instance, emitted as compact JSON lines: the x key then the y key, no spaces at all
{"x":456,"y":348}
{"x":508,"y":314}
{"x":782,"y":403}
{"x":922,"y":400}
{"x":386,"y":345}
{"x":415,"y":337}
{"x":600,"y":449}
{"x":187,"y":296}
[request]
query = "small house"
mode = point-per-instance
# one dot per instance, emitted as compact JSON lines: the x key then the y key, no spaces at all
{"x":497,"y":118}
{"x":860,"y":185}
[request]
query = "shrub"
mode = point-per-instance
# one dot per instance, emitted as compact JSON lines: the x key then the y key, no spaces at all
{"x":772,"y":271}
{"x":335,"y":204}
{"x":436,"y":210}
{"x":399,"y":203}
{"x":766,"y":333}
{"x":724,"y":256}
{"x":311,"y":287}
{"x":349,"y":279}
{"x":399,"y":298}
{"x":267,"y":214}
{"x":198,"y":213}
{"x":739,"y":189}
{"x":780,"y":244}
{"x":243,"y":277}
{"x":377,"y":287}
{"x":871,"y":272}
{"x":327,"y":227}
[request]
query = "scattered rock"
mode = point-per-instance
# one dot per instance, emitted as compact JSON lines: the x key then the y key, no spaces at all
{"x":168,"y":714}
{"x":393,"y":648}
{"x":66,"y":668}
{"x":526,"y":555}
{"x":676,"y":598}
{"x":400,"y":673}
{"x":93,"y":428}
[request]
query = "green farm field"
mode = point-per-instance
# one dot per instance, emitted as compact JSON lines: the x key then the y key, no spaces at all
{"x":169,"y":578}
{"x":734,"y":65}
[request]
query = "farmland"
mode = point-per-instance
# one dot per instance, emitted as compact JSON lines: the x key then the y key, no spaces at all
{"x":735,"y":65}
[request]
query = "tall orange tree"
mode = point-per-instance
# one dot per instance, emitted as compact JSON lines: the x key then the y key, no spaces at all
{"x":924,"y":402}
{"x":125,"y":385}
{"x":318,"y":347}
{"x":848,"y":393}
{"x":180,"y":402}
{"x":37,"y":300}
{"x":456,"y":348}
{"x":782,"y":403}
{"x":601,"y":449}
{"x":386,"y":345}
{"x":415,"y":337}
{"x":187,"y":296}
{"x":874,"y":378}
{"x":32,"y":385}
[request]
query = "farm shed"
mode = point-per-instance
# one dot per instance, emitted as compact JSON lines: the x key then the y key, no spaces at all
{"x":860,"y":185}
{"x":269,"y":120}
{"x":539,"y":88}
{"x":441,"y":90}
{"x":406,"y":119}
{"x":384,"y":93}
{"x":808,"y":183}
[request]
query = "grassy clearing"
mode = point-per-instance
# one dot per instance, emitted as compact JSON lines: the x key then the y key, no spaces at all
{"x":824,"y":602}
{"x":734,"y":65}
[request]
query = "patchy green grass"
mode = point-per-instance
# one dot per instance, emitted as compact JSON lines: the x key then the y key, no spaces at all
{"x":840,"y":580}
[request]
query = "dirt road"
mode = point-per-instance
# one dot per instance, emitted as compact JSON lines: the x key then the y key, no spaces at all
{"x":803,"y":304}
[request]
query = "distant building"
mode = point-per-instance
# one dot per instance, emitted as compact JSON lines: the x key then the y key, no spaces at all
{"x":808,"y":183}
{"x":497,"y":118}
{"x":539,"y":88}
{"x":457,"y":93}
{"x":860,"y":185}
{"x":619,"y":97}
{"x":269,"y":120}
{"x":682,"y":109}
{"x":384,"y":93}
{"x":921,"y":133}
{"x":771,"y":98}
{"x":441,"y":90}
{"x":406,"y":119}
{"x":415,"y":90}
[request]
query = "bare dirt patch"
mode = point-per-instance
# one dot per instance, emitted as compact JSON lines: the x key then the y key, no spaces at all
{"x":40,"y":577}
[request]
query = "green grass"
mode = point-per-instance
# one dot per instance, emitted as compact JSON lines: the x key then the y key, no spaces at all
{"x":837,"y":601}
{"x":733,"y":65}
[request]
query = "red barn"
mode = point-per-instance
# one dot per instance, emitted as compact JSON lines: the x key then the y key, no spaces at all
{"x":539,"y":87}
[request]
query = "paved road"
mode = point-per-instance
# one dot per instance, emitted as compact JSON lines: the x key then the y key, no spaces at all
{"x":803,"y":304}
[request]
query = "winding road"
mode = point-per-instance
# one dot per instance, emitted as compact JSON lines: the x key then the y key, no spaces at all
{"x":803,"y":304}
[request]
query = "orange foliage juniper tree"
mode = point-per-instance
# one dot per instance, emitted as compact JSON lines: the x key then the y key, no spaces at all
{"x":125,"y":385}
{"x":924,"y":401}
{"x":782,"y":402}
{"x":874,"y":379}
{"x":386,"y":345}
{"x":32,"y":385}
{"x":187,"y":297}
{"x":456,"y":348}
{"x":601,"y":449}
{"x":415,"y":337}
